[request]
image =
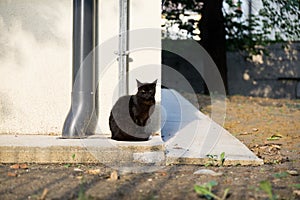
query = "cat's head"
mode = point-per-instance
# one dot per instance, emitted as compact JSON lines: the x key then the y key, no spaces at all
{"x":146,"y":91}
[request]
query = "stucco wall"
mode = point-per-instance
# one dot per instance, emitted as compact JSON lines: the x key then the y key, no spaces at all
{"x":36,"y":61}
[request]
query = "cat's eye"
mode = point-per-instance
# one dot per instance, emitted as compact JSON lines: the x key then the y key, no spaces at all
{"x":143,"y":91}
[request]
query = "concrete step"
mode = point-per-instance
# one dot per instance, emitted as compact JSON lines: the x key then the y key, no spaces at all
{"x":128,"y":156}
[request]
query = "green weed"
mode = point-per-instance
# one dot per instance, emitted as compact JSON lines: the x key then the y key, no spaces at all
{"x":222,"y":158}
{"x":297,"y":186}
{"x":67,"y":165}
{"x":274,"y":137}
{"x":213,"y":160}
{"x":81,"y":194}
{"x":206,"y":191}
{"x":267,"y":187}
{"x":280,"y":175}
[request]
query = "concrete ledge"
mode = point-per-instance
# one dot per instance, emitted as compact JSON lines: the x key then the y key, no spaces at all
{"x":95,"y":149}
{"x":50,"y":149}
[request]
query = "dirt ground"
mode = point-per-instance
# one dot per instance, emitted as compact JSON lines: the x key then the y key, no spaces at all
{"x":269,"y":127}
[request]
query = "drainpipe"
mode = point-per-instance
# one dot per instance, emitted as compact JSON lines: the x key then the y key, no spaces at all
{"x":81,"y":119}
{"x":123,"y":46}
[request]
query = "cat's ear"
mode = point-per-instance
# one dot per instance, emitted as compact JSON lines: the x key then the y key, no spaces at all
{"x":154,"y":82}
{"x":139,"y":84}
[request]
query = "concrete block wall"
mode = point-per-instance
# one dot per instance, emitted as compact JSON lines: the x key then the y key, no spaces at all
{"x":275,"y":75}
{"x":36,"y":61}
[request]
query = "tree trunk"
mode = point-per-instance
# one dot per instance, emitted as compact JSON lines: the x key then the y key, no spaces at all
{"x":212,"y":33}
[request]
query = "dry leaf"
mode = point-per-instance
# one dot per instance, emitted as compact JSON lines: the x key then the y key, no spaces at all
{"x":44,"y":194}
{"x":15,"y":166}
{"x":270,"y":153}
{"x":12,"y":174}
{"x":114,"y":176}
{"x":19,"y":166}
{"x":164,"y":173}
{"x":161,"y":173}
{"x":24,"y":166}
{"x":93,"y":171}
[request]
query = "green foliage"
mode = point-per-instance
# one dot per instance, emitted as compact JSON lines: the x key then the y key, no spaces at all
{"x":276,"y":21}
{"x":67,"y":165}
{"x":282,"y":17}
{"x":222,"y":158}
{"x":267,"y":187}
{"x":274,"y":137}
{"x":240,"y":31}
{"x":195,"y":5}
{"x":212,"y":160}
{"x":205,"y":190}
{"x":178,"y":14}
{"x":81,"y":193}
{"x":280,"y":175}
{"x":297,"y":186}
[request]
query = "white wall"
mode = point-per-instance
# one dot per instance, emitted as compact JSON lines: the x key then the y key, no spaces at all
{"x":36,"y":61}
{"x":145,"y":63}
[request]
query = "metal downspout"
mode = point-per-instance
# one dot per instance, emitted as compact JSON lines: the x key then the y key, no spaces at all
{"x":123,"y":46}
{"x":81,"y":119}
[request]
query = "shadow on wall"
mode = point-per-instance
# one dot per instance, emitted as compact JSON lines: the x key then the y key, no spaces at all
{"x":275,"y":75}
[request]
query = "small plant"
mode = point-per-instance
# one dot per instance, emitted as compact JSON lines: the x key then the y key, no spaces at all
{"x":73,"y":156}
{"x":67,"y":165}
{"x":267,"y":187}
{"x":81,"y":194}
{"x":222,"y":158}
{"x":280,"y":175}
{"x":206,"y":191}
{"x":297,"y":186}
{"x":274,"y":137}
{"x":213,"y":160}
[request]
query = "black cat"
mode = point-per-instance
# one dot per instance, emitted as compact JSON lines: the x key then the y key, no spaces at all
{"x":130,"y":114}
